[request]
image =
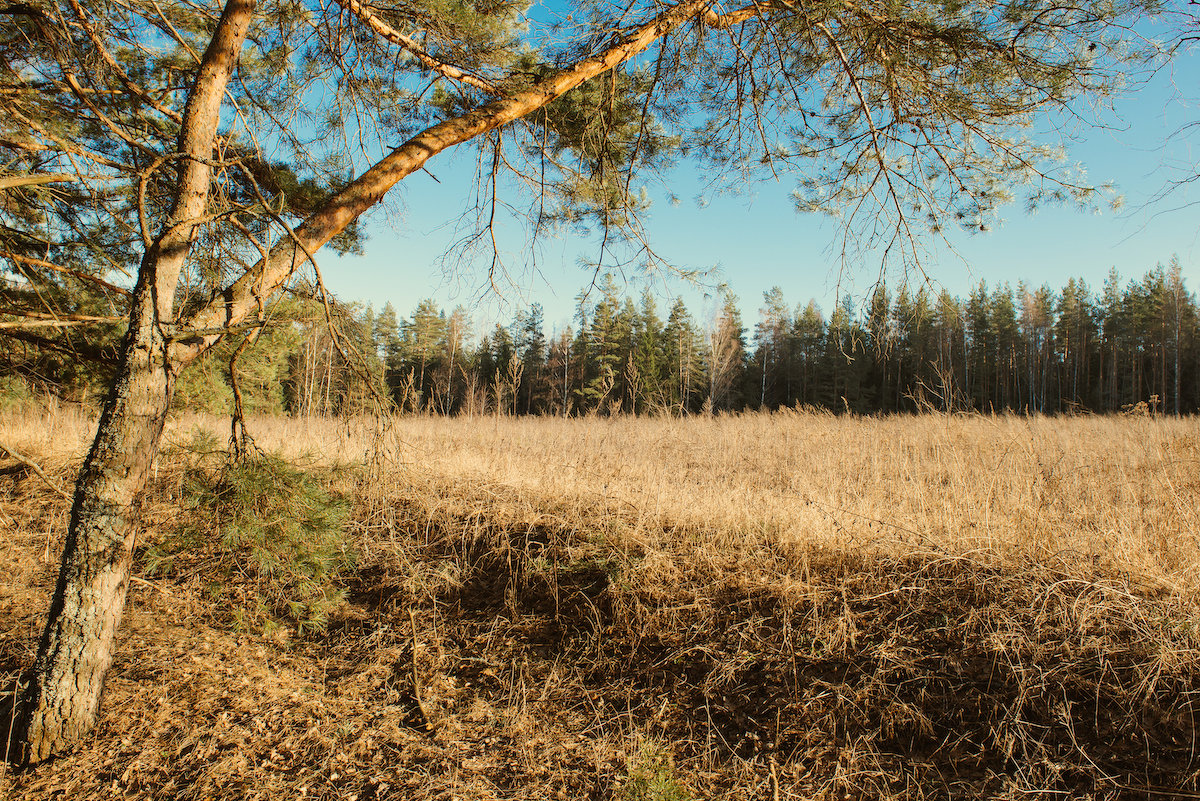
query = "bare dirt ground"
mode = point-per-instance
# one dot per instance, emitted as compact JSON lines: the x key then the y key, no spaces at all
{"x":759,"y":607}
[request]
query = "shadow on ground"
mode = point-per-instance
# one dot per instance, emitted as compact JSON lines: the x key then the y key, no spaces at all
{"x":476,"y":661}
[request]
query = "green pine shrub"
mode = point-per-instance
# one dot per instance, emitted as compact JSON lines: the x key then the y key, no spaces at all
{"x":267,"y":536}
{"x":15,"y":394}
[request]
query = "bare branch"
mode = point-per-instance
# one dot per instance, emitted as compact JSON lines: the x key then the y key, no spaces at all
{"x":16,"y":181}
{"x":365,"y":15}
{"x":82,"y":276}
{"x":32,"y":465}
{"x":61,"y":319}
{"x":64,"y":323}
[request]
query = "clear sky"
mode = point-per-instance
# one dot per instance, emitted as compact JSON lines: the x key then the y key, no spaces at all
{"x":756,"y":240}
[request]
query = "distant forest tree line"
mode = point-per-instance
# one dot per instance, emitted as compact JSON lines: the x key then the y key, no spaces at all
{"x":1027,"y":350}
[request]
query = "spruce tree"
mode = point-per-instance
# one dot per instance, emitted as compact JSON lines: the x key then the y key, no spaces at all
{"x":683,"y":371}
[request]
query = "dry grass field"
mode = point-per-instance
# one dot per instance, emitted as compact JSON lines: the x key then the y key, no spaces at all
{"x":784,"y":606}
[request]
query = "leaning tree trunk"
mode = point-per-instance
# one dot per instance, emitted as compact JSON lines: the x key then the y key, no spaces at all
{"x":76,"y":650}
{"x":62,"y":695}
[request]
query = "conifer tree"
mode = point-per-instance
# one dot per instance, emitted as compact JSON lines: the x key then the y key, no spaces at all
{"x":607,"y":345}
{"x":1182,"y":316}
{"x":1008,"y":347}
{"x":881,"y":340}
{"x":157,"y":114}
{"x":1036,"y":329}
{"x":981,"y":349}
{"x":422,"y":343}
{"x":809,"y":334}
{"x":530,"y":342}
{"x":648,"y":356}
{"x":683,"y":360}
{"x":1075,"y":340}
{"x":502,"y":359}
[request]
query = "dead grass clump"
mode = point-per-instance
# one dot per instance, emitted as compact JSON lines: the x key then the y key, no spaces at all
{"x":829,"y":672}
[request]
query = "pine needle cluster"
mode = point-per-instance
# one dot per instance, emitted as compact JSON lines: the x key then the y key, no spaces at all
{"x":274,"y":533}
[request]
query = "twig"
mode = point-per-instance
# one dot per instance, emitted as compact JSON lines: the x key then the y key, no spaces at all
{"x":1159,"y":791}
{"x":416,"y":680}
{"x":150,"y":584}
{"x":4,"y":446}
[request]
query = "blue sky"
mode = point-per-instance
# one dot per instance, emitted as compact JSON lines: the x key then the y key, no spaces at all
{"x":756,"y":240}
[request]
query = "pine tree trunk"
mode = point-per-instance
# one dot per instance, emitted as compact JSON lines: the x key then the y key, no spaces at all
{"x":63,"y":694}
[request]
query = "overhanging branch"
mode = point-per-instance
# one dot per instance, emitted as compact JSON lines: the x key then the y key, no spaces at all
{"x":385,"y":31}
{"x":16,"y":181}
{"x":268,"y":275}
{"x":81,"y":350}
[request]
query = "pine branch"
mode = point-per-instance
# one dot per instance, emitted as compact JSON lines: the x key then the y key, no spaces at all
{"x":16,"y":181}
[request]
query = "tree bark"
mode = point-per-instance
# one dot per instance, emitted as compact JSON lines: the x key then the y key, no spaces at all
{"x":61,"y":700}
{"x":62,"y":693}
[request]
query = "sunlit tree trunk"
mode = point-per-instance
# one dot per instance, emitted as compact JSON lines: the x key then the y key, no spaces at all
{"x":62,"y":695}
{"x":76,"y":649}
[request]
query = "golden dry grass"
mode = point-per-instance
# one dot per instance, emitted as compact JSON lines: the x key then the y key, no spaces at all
{"x":792,"y":605}
{"x":1119,"y":487}
{"x":1123,"y":489}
